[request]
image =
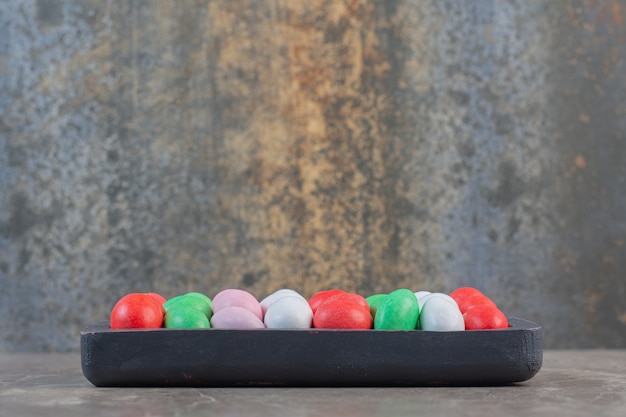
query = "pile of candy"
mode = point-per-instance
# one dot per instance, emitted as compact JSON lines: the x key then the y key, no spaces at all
{"x":463,"y":309}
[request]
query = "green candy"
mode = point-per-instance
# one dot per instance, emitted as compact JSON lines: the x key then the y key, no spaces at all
{"x":200,"y":296}
{"x":192,"y":300}
{"x":374,"y":302}
{"x":182,"y":317}
{"x":398,"y":311}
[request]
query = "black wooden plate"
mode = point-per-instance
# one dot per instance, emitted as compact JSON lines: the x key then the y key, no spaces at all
{"x":313,"y":357}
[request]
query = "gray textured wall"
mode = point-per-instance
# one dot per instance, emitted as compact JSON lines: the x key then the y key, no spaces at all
{"x":175,"y":146}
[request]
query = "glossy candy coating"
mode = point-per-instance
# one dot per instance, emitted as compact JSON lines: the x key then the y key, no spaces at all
{"x":234,"y":317}
{"x":290,"y":312}
{"x":398,"y":311}
{"x":237,"y":298}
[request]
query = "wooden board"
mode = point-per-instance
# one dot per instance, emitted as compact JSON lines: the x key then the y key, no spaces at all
{"x":314,"y":357}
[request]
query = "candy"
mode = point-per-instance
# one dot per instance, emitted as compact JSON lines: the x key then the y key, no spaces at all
{"x":441,"y":295}
{"x":425,"y":296}
{"x":398,"y":311}
{"x":465,"y":308}
{"x":419,"y":295}
{"x":463,"y":292}
{"x":237,"y":298}
{"x":439,"y":314}
{"x":234,"y":317}
{"x":190,"y":300}
{"x":321,"y":296}
{"x":188,"y":311}
{"x":466,"y":297}
{"x":183,"y":317}
{"x":484,"y":316}
{"x":374,"y":302}
{"x":479,"y":311}
{"x":343,"y":311}
{"x":289,"y":312}
{"x":158,"y":298}
{"x":272,"y":298}
{"x":352,"y":298}
{"x":200,"y":296}
{"x":473,"y":301}
{"x":136,"y":310}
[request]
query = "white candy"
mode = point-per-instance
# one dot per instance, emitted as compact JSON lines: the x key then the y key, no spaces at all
{"x":290,"y":312}
{"x":420,"y":295}
{"x":440,"y":315}
{"x":272,"y":298}
{"x":422,"y":301}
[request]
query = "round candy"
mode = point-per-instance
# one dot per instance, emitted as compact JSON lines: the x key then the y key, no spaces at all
{"x":343,"y":311}
{"x":398,"y":311}
{"x":350,"y":297}
{"x":136,"y":310}
{"x":237,"y":298}
{"x":485,"y":316}
{"x":200,"y":296}
{"x":158,"y":298}
{"x":464,"y":292}
{"x":467,"y":297}
{"x":289,"y":312}
{"x":272,"y":298}
{"x":439,"y":314}
{"x":321,"y":296}
{"x":425,"y":296}
{"x":234,"y":317}
{"x":472,"y":301}
{"x":182,"y":317}
{"x":190,"y":301}
{"x":419,"y":295}
{"x":441,"y":295}
{"x":374,"y":302}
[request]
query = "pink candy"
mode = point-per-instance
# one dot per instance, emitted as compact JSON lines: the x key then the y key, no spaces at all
{"x":236,"y":318}
{"x":237,"y":298}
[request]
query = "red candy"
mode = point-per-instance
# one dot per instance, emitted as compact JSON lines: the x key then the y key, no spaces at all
{"x":468,"y":297}
{"x":349,"y":297}
{"x":137,"y":310}
{"x":343,"y":311}
{"x":474,"y":301}
{"x":158,"y":298}
{"x":321,"y":296}
{"x":479,"y":311}
{"x":485,"y":317}
{"x":464,"y":292}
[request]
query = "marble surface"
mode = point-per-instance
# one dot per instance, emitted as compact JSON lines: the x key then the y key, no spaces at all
{"x":571,"y":383}
{"x":178,"y":146}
